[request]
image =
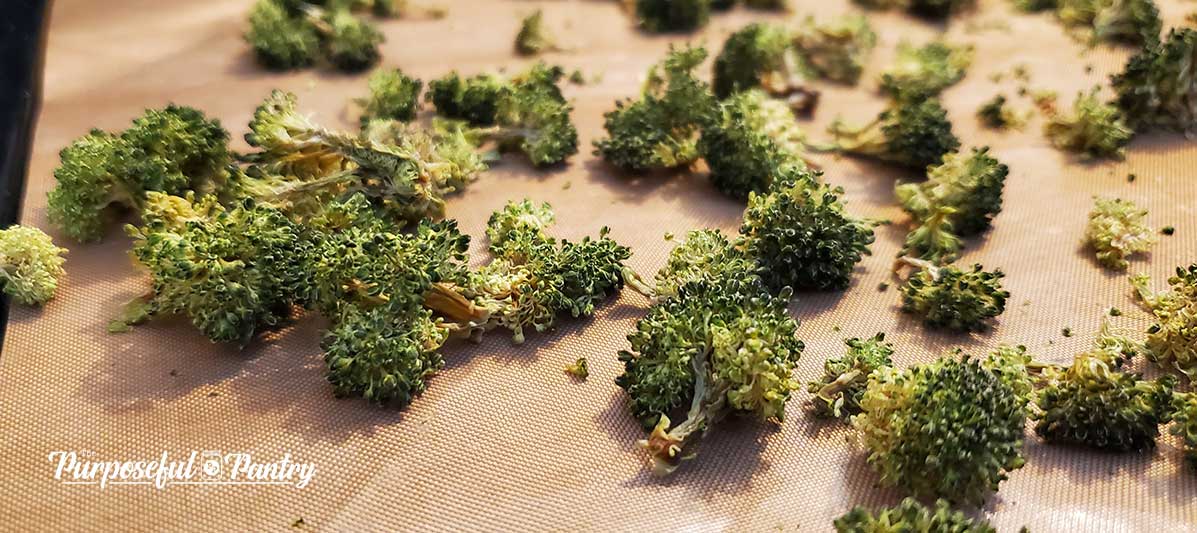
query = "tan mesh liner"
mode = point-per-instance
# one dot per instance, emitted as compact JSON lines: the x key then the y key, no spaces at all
{"x":503,"y":439}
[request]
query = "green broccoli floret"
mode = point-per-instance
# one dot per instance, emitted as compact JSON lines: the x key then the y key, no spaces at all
{"x":393,"y":95}
{"x":1157,"y":88}
{"x":672,"y":15}
{"x":927,"y":70}
{"x":533,"y":118}
{"x":30,"y":265}
{"x":751,"y":143}
{"x":819,"y":256}
{"x":171,"y":150}
{"x":351,"y":43}
{"x":533,"y":38}
{"x":1172,"y":340}
{"x":704,"y":253}
{"x":948,"y":429}
{"x":954,"y":299}
{"x":1131,"y":21}
{"x":515,"y":222}
{"x":281,"y":40}
{"x":722,"y":345}
{"x":971,"y":184}
{"x":910,"y":516}
{"x":1116,"y":231}
{"x":763,"y":55}
{"x":1184,"y":423}
{"x":839,"y":391}
{"x":996,"y":114}
{"x":1093,"y":128}
{"x":660,"y":130}
{"x":911,"y":133}
{"x":475,"y":100}
{"x":838,"y":49}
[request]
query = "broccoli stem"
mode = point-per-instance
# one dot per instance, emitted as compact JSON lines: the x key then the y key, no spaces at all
{"x":664,"y":446}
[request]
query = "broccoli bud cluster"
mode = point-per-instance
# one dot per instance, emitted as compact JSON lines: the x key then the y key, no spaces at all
{"x":30,"y":265}
{"x":925,"y":70}
{"x":839,"y":392}
{"x":293,"y":34}
{"x":1116,"y":230}
{"x":959,"y":199}
{"x":954,"y":299}
{"x":914,"y":132}
{"x":1172,"y":340}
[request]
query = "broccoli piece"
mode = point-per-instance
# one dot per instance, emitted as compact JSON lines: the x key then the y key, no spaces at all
{"x":1184,"y":423}
{"x":579,"y":370}
{"x":763,"y":55}
{"x":1157,"y":90}
{"x":996,"y":114}
{"x":280,"y":39}
{"x":660,"y":16}
{"x":660,"y":130}
{"x":1017,"y":369}
{"x":1131,"y":21}
{"x":934,"y":237}
{"x":1094,"y":404}
{"x":837,"y":50}
{"x":839,"y":391}
{"x":533,"y":38}
{"x":1094,"y":129}
{"x":533,"y":118}
{"x":751,"y":143}
{"x":30,"y":265}
{"x":911,"y":133}
{"x":475,"y":100}
{"x":954,"y":299}
{"x":938,"y":9}
{"x":722,"y":345}
{"x":393,"y":95}
{"x":1116,"y":231}
{"x":1172,"y":340}
{"x":972,"y":185}
{"x":926,"y":70}
{"x":516,"y":221}
{"x":171,"y":150}
{"x":350,"y":43}
{"x":948,"y":429}
{"x":823,"y":254}
{"x":1034,"y":6}
{"x":704,"y":254}
{"x":912,"y":516}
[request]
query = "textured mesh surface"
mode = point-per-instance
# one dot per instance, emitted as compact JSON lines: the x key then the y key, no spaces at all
{"x":503,"y":440}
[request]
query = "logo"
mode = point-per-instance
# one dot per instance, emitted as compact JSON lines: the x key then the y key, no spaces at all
{"x":209,"y":467}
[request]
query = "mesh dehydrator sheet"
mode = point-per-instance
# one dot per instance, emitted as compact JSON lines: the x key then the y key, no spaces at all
{"x":503,"y":439}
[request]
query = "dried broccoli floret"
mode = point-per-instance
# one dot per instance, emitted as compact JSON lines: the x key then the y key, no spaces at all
{"x":1184,"y":423}
{"x":951,"y":298}
{"x":1032,"y":6}
{"x":672,"y":15}
{"x":1116,"y":230}
{"x":938,"y":8}
{"x":934,"y":237}
{"x":580,"y":369}
{"x":393,"y":95}
{"x":534,"y":38}
{"x":838,"y":49}
{"x":751,"y":143}
{"x":971,"y":184}
{"x":475,"y":99}
{"x":30,"y":265}
{"x":351,"y":43}
{"x":763,"y":55}
{"x":1093,"y":128}
{"x":926,"y":70}
{"x":910,"y":516}
{"x":1132,"y":21}
{"x":703,"y":253}
{"x":913,"y":132}
{"x":1157,"y":88}
{"x":839,"y":391}
{"x":280,"y":39}
{"x":996,"y":114}
{"x":1172,"y":340}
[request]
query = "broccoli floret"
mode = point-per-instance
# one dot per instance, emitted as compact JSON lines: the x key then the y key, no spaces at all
{"x":926,"y":70}
{"x":660,"y":130}
{"x":1116,"y":231}
{"x":1094,"y":129}
{"x":971,"y":184}
{"x":533,"y":38}
{"x":1172,"y":340}
{"x":171,"y":150}
{"x":996,"y":114}
{"x":912,"y":133}
{"x":954,"y":299}
{"x":393,"y":95}
{"x":30,"y":265}
{"x":280,"y":39}
{"x":672,"y":15}
{"x":1132,"y":21}
{"x":910,"y":516}
{"x":751,"y":143}
{"x":934,"y":237}
{"x":838,"y":392}
{"x":579,"y":370}
{"x":1184,"y":423}
{"x":533,"y":118}
{"x":722,"y":345}
{"x":763,"y":55}
{"x":515,"y":222}
{"x":1157,"y":88}
{"x":948,"y":429}
{"x":350,"y":42}
{"x":475,"y":100}
{"x":838,"y":49}
{"x":819,"y":256}
{"x":704,"y":253}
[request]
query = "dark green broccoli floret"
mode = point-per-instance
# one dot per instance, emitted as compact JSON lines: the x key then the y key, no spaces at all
{"x":913,"y":133}
{"x":533,"y":38}
{"x":171,"y":150}
{"x":1157,"y":89}
{"x":280,"y":39}
{"x":837,"y":49}
{"x":910,"y":516}
{"x":672,"y":15}
{"x":951,"y":298}
{"x":475,"y":100}
{"x":763,"y":55}
{"x":950,"y":429}
{"x":660,"y":130}
{"x":1093,"y":128}
{"x":926,"y":70}
{"x":30,"y":265}
{"x":533,"y":117}
{"x":393,"y":95}
{"x":751,"y":143}
{"x":775,"y":5}
{"x":839,"y":391}
{"x":350,"y":42}
{"x":822,"y":253}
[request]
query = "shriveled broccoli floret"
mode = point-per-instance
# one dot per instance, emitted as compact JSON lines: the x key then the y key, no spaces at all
{"x":910,"y":516}
{"x":996,"y":114}
{"x":1157,"y":89}
{"x":1116,"y":230}
{"x":926,"y":70}
{"x":30,"y":265}
{"x":722,"y":345}
{"x":533,"y":38}
{"x":913,"y":132}
{"x":533,"y":118}
{"x":171,"y":150}
{"x":839,"y":391}
{"x":1093,"y":128}
{"x":954,"y":299}
{"x":704,"y":253}
{"x":763,"y":55}
{"x":1132,"y":21}
{"x":280,"y":39}
{"x":971,"y":184}
{"x":516,"y":221}
{"x":837,"y":49}
{"x":672,"y":15}
{"x":800,"y":236}
{"x":949,"y":429}
{"x":934,"y":237}
{"x":393,"y":95}
{"x":1172,"y":340}
{"x":751,"y":143}
{"x":351,"y":42}
{"x":1184,"y":423}
{"x":475,"y":100}
{"x":660,"y":130}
